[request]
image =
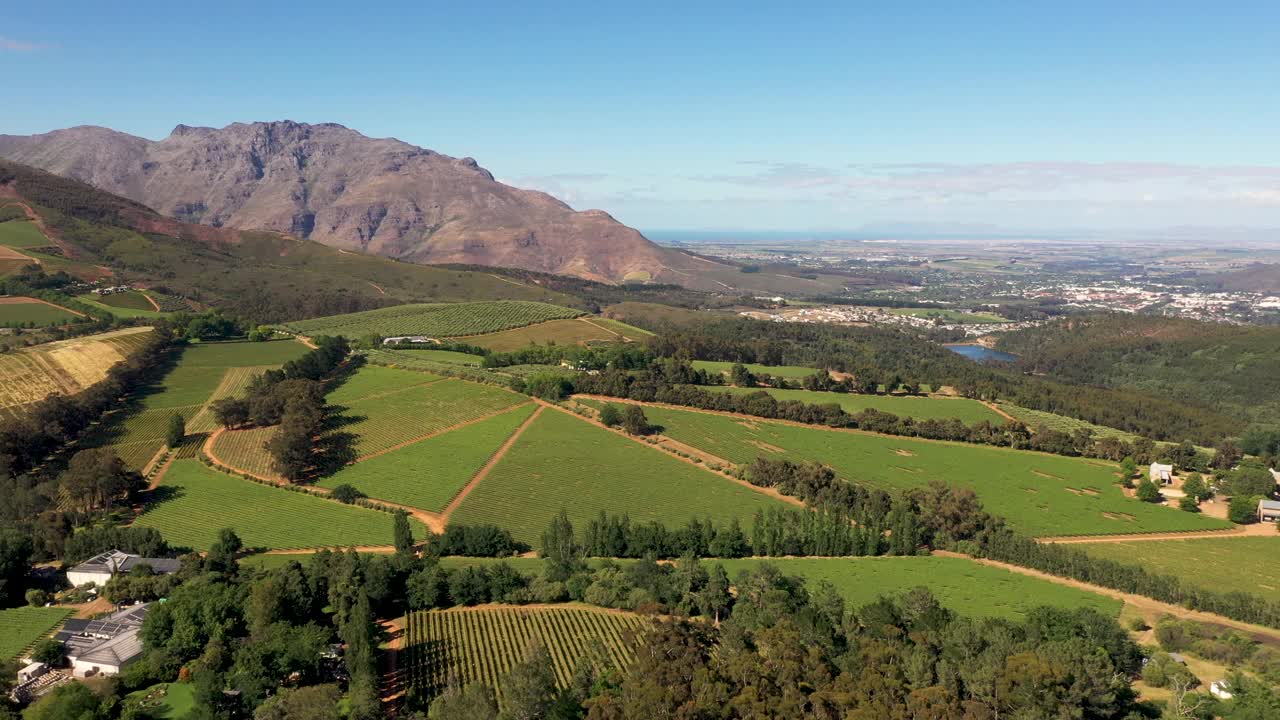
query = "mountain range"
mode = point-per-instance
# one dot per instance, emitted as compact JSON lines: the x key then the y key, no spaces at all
{"x":335,"y":186}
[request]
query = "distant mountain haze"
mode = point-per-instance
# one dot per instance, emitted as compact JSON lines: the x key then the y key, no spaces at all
{"x":331,"y":184}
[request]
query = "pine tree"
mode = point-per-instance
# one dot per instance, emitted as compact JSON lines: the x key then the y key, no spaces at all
{"x":176,"y":432}
{"x":403,"y":534}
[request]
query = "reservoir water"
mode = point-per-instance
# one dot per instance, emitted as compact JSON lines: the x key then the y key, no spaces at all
{"x":978,"y":353}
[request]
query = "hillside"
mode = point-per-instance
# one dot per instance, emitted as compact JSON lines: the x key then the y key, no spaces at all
{"x":264,"y":276}
{"x":1259,"y":277}
{"x":1229,"y":369}
{"x":334,"y":186}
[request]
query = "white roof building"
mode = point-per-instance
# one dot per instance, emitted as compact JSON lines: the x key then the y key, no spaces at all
{"x":102,"y":567}
{"x":1162,"y":474}
{"x":104,"y":646}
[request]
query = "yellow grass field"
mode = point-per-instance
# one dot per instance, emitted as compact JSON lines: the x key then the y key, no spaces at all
{"x":66,"y":366}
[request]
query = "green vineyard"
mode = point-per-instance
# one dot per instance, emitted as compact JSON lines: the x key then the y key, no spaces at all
{"x":435,"y":319}
{"x":482,"y":644}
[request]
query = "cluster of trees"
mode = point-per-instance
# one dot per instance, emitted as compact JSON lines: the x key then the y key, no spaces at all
{"x":654,"y":386}
{"x":293,"y":397}
{"x":782,"y":649}
{"x":1228,"y":368}
{"x":878,"y":354}
{"x":474,"y":541}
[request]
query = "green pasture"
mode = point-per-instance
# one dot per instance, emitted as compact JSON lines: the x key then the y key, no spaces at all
{"x":35,"y":314}
{"x":564,"y":462}
{"x":920,"y":408}
{"x":428,"y":474}
{"x":1038,"y":493}
{"x":786,"y":371}
{"x":194,"y":502}
{"x":1242,"y":564}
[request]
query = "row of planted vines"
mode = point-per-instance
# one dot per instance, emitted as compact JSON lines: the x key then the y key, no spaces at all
{"x":483,"y":644}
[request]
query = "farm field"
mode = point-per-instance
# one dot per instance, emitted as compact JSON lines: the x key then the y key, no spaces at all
{"x":130,"y":300}
{"x":428,"y":474}
{"x":435,"y":319}
{"x":953,"y":316}
{"x":1039,"y":419}
{"x":372,"y":380}
{"x":30,"y":312}
{"x":631,"y":332}
{"x":481,"y":644}
{"x":195,"y":502}
{"x":138,"y":436}
{"x":233,"y":383}
{"x":65,"y":366}
{"x":1243,"y":564}
{"x":554,"y":332}
{"x":201,"y":367}
{"x":786,"y":371}
{"x":921,"y":408}
{"x":960,"y":585}
{"x":562,"y":461}
{"x":21,"y":627}
{"x":246,"y":450}
{"x":449,"y":357}
{"x":383,"y":420}
{"x":132,"y":304}
{"x":1038,"y":494}
{"x":22,"y":234}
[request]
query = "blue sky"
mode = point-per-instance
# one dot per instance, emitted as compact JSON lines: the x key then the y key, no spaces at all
{"x":722,"y":115}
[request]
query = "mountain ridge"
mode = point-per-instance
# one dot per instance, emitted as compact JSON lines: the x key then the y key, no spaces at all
{"x":331,"y":184}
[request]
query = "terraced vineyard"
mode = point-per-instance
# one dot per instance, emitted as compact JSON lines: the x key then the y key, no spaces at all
{"x":21,"y":627}
{"x":65,"y":366}
{"x":246,"y":450}
{"x":435,"y":319}
{"x":937,"y":408}
{"x":384,"y":420}
{"x":428,"y":474}
{"x":482,"y":644}
{"x":1038,"y":494}
{"x":561,"y":461}
{"x":194,"y":502}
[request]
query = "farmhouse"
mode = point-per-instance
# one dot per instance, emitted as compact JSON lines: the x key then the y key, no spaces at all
{"x":1268,"y":511}
{"x":407,"y":339}
{"x":101,"y":568}
{"x":1161,"y":474}
{"x":104,"y":646}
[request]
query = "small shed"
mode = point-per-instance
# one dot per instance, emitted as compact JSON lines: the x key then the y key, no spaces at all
{"x":31,"y":672}
{"x":1161,"y":474}
{"x":1268,"y":511}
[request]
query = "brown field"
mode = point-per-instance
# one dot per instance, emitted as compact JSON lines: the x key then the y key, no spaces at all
{"x":66,"y":366}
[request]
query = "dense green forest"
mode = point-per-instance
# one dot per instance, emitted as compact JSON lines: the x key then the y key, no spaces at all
{"x":1233,"y":370}
{"x":882,"y":354}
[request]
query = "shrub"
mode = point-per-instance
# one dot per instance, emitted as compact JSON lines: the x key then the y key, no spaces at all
{"x":37,"y":597}
{"x":1148,"y":492}
{"x":345,"y":493}
{"x":1243,"y":509}
{"x":1189,"y":504}
{"x":610,"y":415}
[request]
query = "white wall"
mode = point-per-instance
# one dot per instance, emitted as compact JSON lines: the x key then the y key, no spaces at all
{"x":79,"y":578}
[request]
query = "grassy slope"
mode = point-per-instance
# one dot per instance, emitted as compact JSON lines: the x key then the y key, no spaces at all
{"x":1038,"y":493}
{"x":430,"y":473}
{"x":1246,"y":564}
{"x":195,"y":502}
{"x":22,"y":234}
{"x":65,"y":366}
{"x":382,"y":421}
{"x":961,"y":585}
{"x":444,"y":356}
{"x":941,"y":408}
{"x":563,"y":462}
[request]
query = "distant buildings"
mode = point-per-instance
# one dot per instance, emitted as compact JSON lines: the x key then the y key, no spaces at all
{"x":101,"y":568}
